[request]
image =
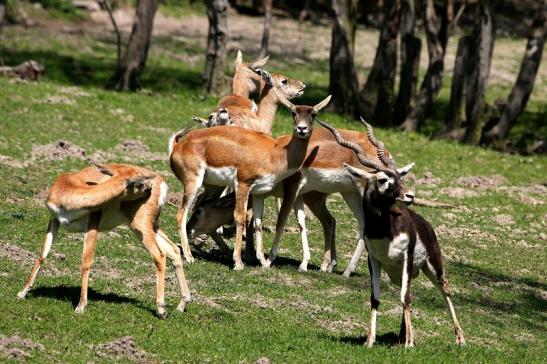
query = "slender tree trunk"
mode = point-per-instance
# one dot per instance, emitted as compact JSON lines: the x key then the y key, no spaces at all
{"x":455,"y":115}
{"x":411,"y":47}
{"x":266,"y":32}
{"x":214,"y":81}
{"x":437,"y":36}
{"x":343,"y":81}
{"x":377,"y":95}
{"x":305,"y":11}
{"x":2,"y":12}
{"x":116,"y":30}
{"x":483,"y":45}
{"x":128,"y":73}
{"x":525,"y":81}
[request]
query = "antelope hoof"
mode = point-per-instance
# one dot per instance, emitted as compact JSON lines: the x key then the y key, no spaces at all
{"x":267,"y":263}
{"x":409,"y":344}
{"x":346,"y":273}
{"x":460,"y":341}
{"x":162,"y":313}
{"x":182,"y":305}
{"x":303,"y":267}
{"x":80,"y":309}
{"x":369,"y":343}
{"x":22,"y":294}
{"x":238,"y":266}
{"x":331,"y":266}
{"x":189,"y":259}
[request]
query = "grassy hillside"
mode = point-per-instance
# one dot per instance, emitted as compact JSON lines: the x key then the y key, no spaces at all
{"x":494,"y":240}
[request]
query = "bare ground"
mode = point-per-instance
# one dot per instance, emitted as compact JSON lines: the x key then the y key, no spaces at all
{"x":17,"y":348}
{"x":122,"y":348}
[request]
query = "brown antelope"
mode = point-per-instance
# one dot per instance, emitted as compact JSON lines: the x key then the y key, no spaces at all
{"x":240,"y":111}
{"x":249,"y":161}
{"x":322,"y":174}
{"x":99,"y":198}
{"x":399,"y":241}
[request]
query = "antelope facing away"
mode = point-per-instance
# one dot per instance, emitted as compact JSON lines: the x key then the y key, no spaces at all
{"x":99,"y":198}
{"x":322,"y":174}
{"x":399,"y":241}
{"x":249,"y":161}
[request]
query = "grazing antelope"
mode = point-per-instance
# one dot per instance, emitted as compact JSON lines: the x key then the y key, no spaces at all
{"x":322,"y":174}
{"x":249,"y":161}
{"x":99,"y":198}
{"x":240,"y":111}
{"x":399,"y":241}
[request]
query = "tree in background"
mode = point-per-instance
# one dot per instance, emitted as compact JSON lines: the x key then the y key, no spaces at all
{"x":128,"y":73}
{"x":343,"y":82}
{"x":265,"y":44}
{"x":437,"y":36}
{"x":2,"y":12}
{"x":377,"y":95}
{"x":527,"y":75}
{"x":214,"y":81}
{"x":411,"y":47}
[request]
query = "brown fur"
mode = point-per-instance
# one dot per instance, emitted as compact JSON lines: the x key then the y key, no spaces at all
{"x":91,"y":201}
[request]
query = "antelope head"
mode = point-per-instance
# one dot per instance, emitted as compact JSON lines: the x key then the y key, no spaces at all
{"x":303,"y":116}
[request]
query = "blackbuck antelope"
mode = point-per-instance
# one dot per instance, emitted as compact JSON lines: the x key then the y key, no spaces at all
{"x":99,"y":198}
{"x":249,"y":161}
{"x":399,"y":241}
{"x":322,"y":174}
{"x":240,"y":111}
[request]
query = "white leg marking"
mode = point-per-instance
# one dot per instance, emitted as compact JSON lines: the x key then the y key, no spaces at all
{"x":354,"y":202}
{"x":301,"y":220}
{"x":258,"y":208}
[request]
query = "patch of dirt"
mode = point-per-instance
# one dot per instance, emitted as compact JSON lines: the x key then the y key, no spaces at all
{"x":262,"y":360}
{"x":57,"y":100}
{"x":208,"y":301}
{"x":288,"y":280}
{"x":533,"y":195}
{"x":482,"y":182}
{"x":347,"y":324}
{"x":503,"y":219}
{"x":428,"y":180}
{"x":23,"y":257}
{"x":40,"y":197}
{"x":57,"y":151}
{"x":458,"y":192}
{"x":10,"y":162}
{"x":14,"y":347}
{"x":124,"y":347}
{"x":129,"y":150}
{"x":446,"y":232}
{"x":175,"y":198}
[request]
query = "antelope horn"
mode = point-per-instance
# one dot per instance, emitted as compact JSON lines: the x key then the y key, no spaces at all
{"x":353,"y":146}
{"x":380,"y":147}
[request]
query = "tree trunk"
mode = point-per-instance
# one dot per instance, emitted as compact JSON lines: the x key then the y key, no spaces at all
{"x":377,"y":95}
{"x":482,"y":47}
{"x":343,"y":81}
{"x":437,"y":37}
{"x":128,"y":73}
{"x":455,"y":115}
{"x":411,"y":47}
{"x":2,"y":13}
{"x":266,"y":32}
{"x":214,"y":81}
{"x":305,"y":12}
{"x":525,"y":81}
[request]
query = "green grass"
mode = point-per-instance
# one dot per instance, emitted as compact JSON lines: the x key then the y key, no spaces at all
{"x":497,"y":271}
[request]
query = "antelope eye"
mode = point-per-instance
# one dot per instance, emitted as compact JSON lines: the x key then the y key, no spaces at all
{"x":284,"y":81}
{"x":382,"y":180}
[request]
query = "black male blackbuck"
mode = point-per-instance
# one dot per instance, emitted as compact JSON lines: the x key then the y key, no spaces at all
{"x":251,"y":162}
{"x":399,"y":241}
{"x":101,"y":197}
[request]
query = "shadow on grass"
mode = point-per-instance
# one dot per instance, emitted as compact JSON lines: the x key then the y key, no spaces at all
{"x":96,"y":71}
{"x":72,"y":293}
{"x":389,"y":339}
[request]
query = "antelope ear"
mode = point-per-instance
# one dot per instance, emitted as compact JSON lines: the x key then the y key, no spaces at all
{"x":322,"y":104}
{"x":261,"y":62}
{"x":201,"y":121}
{"x":358,"y":172}
{"x":140,"y":182}
{"x":404,"y":170}
{"x":239,"y":58}
{"x":101,"y":168}
{"x":289,"y":105}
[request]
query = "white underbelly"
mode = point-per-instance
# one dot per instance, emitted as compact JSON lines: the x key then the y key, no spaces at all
{"x":326,"y":180}
{"x":264,"y":184}
{"x":391,"y":254}
{"x":221,"y":176}
{"x":76,"y":221}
